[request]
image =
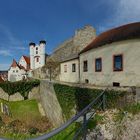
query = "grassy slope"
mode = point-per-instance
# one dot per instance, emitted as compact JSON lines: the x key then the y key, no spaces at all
{"x":23,"y":110}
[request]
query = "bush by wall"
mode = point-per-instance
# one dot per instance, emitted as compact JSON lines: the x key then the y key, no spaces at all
{"x":77,"y":98}
{"x":23,"y":87}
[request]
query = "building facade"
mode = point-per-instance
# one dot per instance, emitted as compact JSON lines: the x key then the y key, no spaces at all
{"x":37,"y":55}
{"x":70,"y":70}
{"x":22,"y":69}
{"x":111,"y":59}
{"x":17,"y":72}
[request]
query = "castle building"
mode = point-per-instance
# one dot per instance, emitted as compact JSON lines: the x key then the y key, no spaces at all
{"x":111,"y":59}
{"x":16,"y":71}
{"x":20,"y":70}
{"x":37,"y":55}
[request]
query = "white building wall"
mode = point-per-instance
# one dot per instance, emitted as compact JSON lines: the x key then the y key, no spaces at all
{"x":130,"y":76}
{"x":70,"y":76}
{"x":16,"y":74}
{"x":37,"y":52}
{"x":32,"y":61}
{"x":22,"y":62}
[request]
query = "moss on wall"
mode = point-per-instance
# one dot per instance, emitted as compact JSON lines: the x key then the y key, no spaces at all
{"x":23,"y":87}
{"x":77,"y":98}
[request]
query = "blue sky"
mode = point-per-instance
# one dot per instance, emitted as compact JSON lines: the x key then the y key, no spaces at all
{"x":23,"y":21}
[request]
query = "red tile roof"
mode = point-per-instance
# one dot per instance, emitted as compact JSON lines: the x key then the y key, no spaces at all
{"x":1,"y":80}
{"x":129,"y":31}
{"x":27,"y":59}
{"x":14,"y":64}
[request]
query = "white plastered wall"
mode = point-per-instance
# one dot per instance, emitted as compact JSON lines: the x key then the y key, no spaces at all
{"x":130,"y":76}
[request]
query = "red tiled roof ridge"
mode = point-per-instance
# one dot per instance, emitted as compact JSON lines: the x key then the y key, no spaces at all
{"x":128,"y":31}
{"x":27,"y":59}
{"x":14,"y":64}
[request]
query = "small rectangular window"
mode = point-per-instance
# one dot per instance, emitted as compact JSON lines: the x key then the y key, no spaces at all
{"x":117,"y":62}
{"x":98,"y":64}
{"x":37,"y":59}
{"x":36,"y":52}
{"x":73,"y":67}
{"x":65,"y":68}
{"x":85,"y":66}
{"x":16,"y":71}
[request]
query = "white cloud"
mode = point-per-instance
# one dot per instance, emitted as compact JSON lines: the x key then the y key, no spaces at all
{"x":5,"y":52}
{"x":126,"y":11}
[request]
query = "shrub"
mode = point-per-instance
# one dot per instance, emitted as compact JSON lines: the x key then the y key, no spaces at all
{"x":23,"y":87}
{"x":33,"y":130}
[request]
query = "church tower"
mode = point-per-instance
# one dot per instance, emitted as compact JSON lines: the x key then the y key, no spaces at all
{"x":32,"y":60}
{"x":42,"y":45}
{"x":37,"y":54}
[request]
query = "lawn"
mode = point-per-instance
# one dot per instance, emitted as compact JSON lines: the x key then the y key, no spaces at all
{"x":23,"y":110}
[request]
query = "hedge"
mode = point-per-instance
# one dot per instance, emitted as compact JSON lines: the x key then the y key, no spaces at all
{"x":75,"y":98}
{"x":23,"y":87}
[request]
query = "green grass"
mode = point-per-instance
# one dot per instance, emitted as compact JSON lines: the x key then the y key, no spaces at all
{"x":68,"y":133}
{"x":14,"y":136}
{"x":23,"y":110}
{"x":133,"y":109}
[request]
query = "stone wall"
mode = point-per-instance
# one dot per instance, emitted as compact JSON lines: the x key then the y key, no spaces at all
{"x":47,"y":101}
{"x":15,"y":97}
{"x":74,"y":45}
{"x":50,"y":103}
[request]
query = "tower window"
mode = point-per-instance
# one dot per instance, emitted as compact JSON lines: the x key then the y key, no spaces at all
{"x":36,"y":52}
{"x":37,"y":59}
{"x":36,"y":48}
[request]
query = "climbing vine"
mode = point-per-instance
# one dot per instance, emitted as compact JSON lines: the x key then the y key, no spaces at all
{"x":23,"y":87}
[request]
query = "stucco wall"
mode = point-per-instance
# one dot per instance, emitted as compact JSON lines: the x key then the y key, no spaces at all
{"x":17,"y":75}
{"x":22,"y":62}
{"x":70,"y":76}
{"x":130,"y":76}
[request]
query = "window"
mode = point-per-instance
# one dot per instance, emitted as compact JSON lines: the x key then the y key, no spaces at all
{"x":73,"y":67}
{"x":118,"y":62}
{"x":16,"y":71}
{"x":37,"y":59}
{"x":36,"y":52}
{"x":65,"y":68}
{"x":85,"y":66}
{"x":98,"y":64}
{"x":36,"y":48}
{"x":13,"y":70}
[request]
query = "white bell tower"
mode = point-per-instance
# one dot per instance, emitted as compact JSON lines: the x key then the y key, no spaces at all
{"x":32,"y":61}
{"x":42,"y":45}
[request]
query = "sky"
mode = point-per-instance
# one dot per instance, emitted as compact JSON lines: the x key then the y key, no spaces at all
{"x":25,"y":21}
